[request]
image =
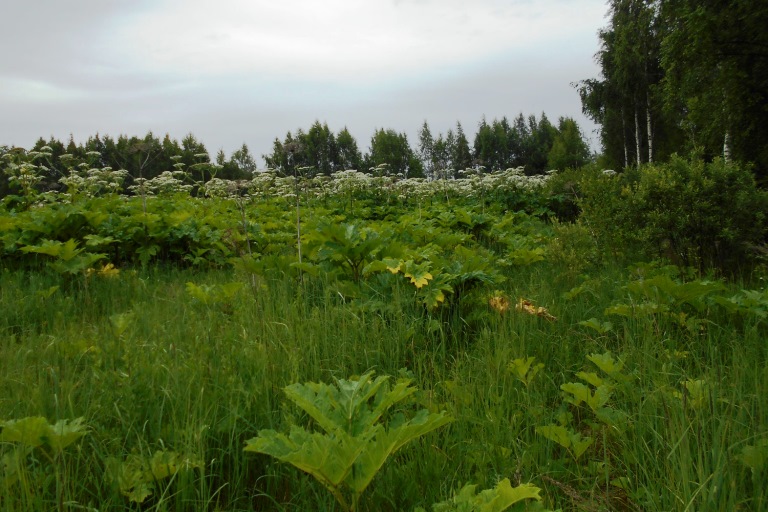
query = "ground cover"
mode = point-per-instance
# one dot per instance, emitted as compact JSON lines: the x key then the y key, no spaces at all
{"x":146,"y":342}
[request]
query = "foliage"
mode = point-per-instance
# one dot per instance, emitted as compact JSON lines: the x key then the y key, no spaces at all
{"x":680,"y":76}
{"x":355,"y":442}
{"x":706,"y":215}
{"x":499,"y":498}
{"x":36,"y":448}
{"x":139,"y":476}
{"x":715,"y":69}
{"x":177,"y":343}
{"x":569,"y":150}
{"x":347,"y":245}
{"x":391,"y":149}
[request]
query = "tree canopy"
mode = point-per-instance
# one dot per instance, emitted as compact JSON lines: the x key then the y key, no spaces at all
{"x":682,"y":76}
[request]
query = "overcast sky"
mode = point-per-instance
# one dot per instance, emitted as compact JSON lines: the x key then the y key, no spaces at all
{"x":247,"y":71}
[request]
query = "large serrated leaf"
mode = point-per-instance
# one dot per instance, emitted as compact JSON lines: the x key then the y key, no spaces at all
{"x":496,"y":499}
{"x":607,"y":363}
{"x":385,"y":443}
{"x":36,"y":431}
{"x":49,"y":247}
{"x":354,"y":445}
{"x":571,"y":441}
{"x":328,"y":459}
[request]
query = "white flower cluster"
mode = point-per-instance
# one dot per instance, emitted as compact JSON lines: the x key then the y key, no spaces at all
{"x":25,"y":174}
{"x":167,"y":183}
{"x":93,"y":181}
{"x":21,"y":168}
{"x":509,"y":179}
{"x":217,"y":187}
{"x":350,"y":183}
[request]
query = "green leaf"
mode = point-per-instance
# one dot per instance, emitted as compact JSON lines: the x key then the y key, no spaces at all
{"x":69,"y":250}
{"x":571,"y":441}
{"x":596,"y":325}
{"x":418,"y":273}
{"x":65,"y":432}
{"x":607,"y":363}
{"x":35,"y":431}
{"x":496,"y":499}
{"x":387,"y":442}
{"x":696,"y":393}
{"x":578,"y":391}
{"x":138,"y":475}
{"x":31,"y":431}
{"x":12,"y":463}
{"x":78,"y":264}
{"x":556,"y":433}
{"x":49,"y":247}
{"x":755,"y":457}
{"x":202,"y":293}
{"x":353,"y":445}
{"x":46,"y":294}
{"x":524,"y":370}
{"x":591,"y":378}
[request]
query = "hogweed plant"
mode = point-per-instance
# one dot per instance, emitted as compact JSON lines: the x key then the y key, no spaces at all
{"x":590,"y":419}
{"x":524,"y":497}
{"x":140,"y":476}
{"x":31,"y":447}
{"x":357,"y":433}
{"x":66,"y":258}
{"x":524,"y":369}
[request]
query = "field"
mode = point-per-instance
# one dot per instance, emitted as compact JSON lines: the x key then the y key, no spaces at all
{"x":147,"y":341}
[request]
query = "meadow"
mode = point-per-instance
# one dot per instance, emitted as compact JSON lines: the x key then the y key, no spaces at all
{"x":363,"y":343}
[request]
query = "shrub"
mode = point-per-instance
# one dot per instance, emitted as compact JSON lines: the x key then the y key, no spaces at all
{"x":704,"y":215}
{"x":572,"y":249}
{"x":564,"y":190}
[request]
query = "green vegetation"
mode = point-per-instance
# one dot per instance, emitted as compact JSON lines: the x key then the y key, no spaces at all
{"x":163,"y":351}
{"x":681,"y":76}
{"x":149,"y":165}
{"x":183,"y":334}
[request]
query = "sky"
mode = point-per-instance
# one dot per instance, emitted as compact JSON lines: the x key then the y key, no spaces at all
{"x":248,"y":71}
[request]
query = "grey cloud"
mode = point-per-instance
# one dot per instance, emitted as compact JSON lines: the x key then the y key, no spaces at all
{"x":67,"y":47}
{"x":60,"y":42}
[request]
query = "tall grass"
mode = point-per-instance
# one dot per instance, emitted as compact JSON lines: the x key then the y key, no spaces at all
{"x":150,"y":369}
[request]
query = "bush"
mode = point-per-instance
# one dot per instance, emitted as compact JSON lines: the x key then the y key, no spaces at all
{"x":572,"y":250}
{"x":704,"y":215}
{"x":563,"y":192}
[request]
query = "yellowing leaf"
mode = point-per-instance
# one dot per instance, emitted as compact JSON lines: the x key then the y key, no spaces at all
{"x":526,"y":306}
{"x":496,"y":499}
{"x":499,"y":302}
{"x":108,"y":271}
{"x":420,"y":280}
{"x":393,"y":265}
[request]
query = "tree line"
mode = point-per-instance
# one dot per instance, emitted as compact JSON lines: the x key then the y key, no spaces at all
{"x":681,"y":76}
{"x":535,"y":144}
{"x":143,"y":157}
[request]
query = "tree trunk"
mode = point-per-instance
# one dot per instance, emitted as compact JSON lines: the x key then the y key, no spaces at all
{"x":649,"y":127}
{"x":637,"y":137}
{"x":624,"y":138}
{"x":727,"y":146}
